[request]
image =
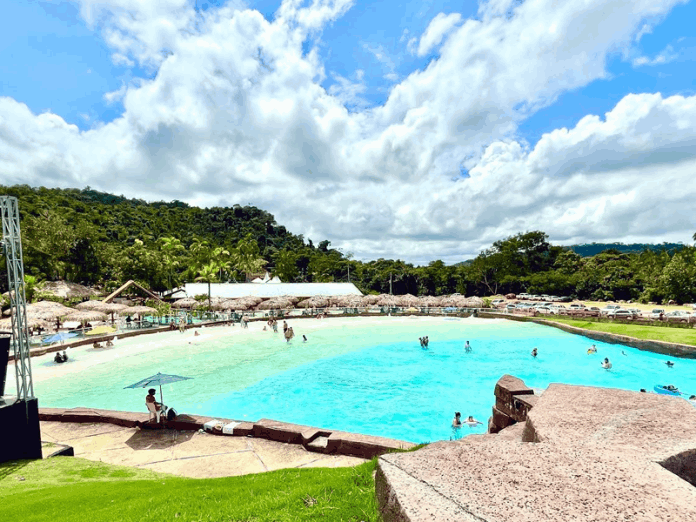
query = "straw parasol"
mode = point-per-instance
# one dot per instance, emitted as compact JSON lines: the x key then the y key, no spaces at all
{"x":450,"y":300}
{"x":107,"y":308}
{"x":277,"y":303}
{"x":239,"y":304}
{"x":473,"y":302}
{"x":408,"y":300}
{"x":84,"y":316}
{"x":430,"y":300}
{"x":142,"y":310}
{"x":316,"y":301}
{"x":184,"y":303}
{"x":32,"y":322}
{"x":368,"y":300}
{"x":386,"y":300}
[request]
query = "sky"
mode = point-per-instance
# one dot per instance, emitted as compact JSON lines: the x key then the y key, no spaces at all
{"x":416,"y":130}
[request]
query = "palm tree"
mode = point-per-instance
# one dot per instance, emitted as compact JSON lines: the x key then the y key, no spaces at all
{"x":247,"y":256}
{"x":170,"y":247}
{"x":208,"y":274}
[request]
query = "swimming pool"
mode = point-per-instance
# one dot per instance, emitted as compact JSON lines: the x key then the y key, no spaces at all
{"x":363,"y":375}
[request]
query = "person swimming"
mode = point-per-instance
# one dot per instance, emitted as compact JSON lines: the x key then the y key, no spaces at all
{"x":304,"y":338}
{"x":535,"y":352}
{"x":592,"y":349}
{"x":470,"y":421}
{"x":669,"y":363}
{"x":606,"y":364}
{"x":467,"y":347}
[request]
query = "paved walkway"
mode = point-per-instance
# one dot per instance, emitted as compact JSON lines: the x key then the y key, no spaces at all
{"x":185,"y":453}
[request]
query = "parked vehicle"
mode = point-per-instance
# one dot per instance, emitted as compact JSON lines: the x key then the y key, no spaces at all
{"x":544,"y":310}
{"x":608,"y":309}
{"x":496,"y":302}
{"x":656,"y":312}
{"x":620,"y":314}
{"x":637,"y":312}
{"x":679,"y":316}
{"x":558,"y":309}
{"x":577,"y":306}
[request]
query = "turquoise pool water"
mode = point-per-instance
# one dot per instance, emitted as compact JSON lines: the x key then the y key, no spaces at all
{"x":365,"y":377}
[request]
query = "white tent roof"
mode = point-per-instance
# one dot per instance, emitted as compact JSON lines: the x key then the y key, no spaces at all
{"x":232,"y":290}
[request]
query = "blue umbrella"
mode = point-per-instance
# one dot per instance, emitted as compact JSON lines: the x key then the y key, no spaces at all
{"x":59,"y":337}
{"x":158,"y":380}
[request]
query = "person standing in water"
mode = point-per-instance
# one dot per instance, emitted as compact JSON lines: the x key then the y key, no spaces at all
{"x":467,"y":347}
{"x":535,"y":352}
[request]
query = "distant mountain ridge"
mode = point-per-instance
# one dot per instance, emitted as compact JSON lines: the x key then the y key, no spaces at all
{"x":591,"y":249}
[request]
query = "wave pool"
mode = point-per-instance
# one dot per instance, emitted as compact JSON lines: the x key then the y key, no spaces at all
{"x":365,"y":375}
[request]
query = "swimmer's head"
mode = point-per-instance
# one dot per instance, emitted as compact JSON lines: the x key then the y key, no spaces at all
{"x":457,"y":414}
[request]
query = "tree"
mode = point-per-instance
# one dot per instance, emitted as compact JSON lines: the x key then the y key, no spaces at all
{"x":286,"y":265}
{"x":247,"y":256}
{"x":208,"y":274}
{"x":170,"y":247}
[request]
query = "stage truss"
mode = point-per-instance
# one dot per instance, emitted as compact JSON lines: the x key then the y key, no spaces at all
{"x":12,"y":249}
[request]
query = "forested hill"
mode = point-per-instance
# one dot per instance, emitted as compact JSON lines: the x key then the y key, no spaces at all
{"x":122,"y":220}
{"x":90,"y":237}
{"x":591,"y":249}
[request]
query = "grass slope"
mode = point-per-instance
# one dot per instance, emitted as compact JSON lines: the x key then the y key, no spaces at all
{"x":73,"y":489}
{"x":653,"y":333}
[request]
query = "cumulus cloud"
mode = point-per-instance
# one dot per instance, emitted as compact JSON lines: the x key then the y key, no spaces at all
{"x":437,"y":29}
{"x":236,"y":114}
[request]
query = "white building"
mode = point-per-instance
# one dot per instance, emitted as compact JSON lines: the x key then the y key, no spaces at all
{"x":268,"y":290}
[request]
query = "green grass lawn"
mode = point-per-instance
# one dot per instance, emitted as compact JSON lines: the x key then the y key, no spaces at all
{"x":655,"y":333}
{"x":73,"y":489}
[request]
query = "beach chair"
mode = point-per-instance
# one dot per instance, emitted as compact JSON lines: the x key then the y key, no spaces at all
{"x":154,"y":412}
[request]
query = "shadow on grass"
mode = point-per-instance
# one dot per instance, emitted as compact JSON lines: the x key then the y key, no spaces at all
{"x":8,"y":468}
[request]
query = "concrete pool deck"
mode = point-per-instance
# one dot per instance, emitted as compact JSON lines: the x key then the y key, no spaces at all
{"x":185,"y":453}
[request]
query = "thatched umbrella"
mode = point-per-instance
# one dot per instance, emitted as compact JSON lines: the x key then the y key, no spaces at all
{"x":430,"y":300}
{"x":473,"y":302}
{"x":386,"y":300}
{"x":241,"y":304}
{"x":316,"y":301}
{"x":408,"y":300}
{"x":368,"y":300}
{"x":32,"y":322}
{"x":142,"y":310}
{"x":275,"y":304}
{"x":450,"y":300}
{"x":184,"y":303}
{"x":85,"y":316}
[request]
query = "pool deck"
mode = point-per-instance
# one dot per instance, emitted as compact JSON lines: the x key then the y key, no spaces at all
{"x":185,"y":453}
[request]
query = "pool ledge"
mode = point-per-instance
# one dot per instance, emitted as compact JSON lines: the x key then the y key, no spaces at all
{"x":319,"y":440}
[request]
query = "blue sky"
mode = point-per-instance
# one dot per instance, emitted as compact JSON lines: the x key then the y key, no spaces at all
{"x":222,"y":132}
{"x":51,"y":60}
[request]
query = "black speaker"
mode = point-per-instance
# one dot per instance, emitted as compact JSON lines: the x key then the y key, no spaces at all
{"x":4,"y":358}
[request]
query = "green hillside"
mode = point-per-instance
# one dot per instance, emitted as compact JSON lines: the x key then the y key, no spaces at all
{"x":100,"y":239}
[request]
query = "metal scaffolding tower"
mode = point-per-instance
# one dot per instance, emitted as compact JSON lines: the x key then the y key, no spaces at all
{"x":12,"y":249}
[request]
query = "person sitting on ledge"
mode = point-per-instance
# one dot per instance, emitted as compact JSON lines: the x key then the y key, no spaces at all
{"x":96,"y":345}
{"x":109,"y":343}
{"x":471,"y":421}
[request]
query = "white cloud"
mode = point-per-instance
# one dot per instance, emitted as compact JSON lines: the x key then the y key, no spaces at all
{"x":437,"y":29}
{"x":114,"y":96}
{"x":236,"y":114}
{"x":665,"y":56}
